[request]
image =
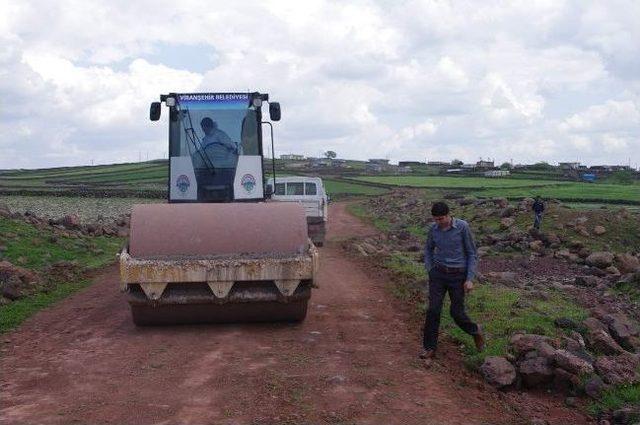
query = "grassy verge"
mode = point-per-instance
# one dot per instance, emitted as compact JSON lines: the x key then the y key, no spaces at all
{"x":358,"y":210}
{"x":37,"y":249}
{"x":14,"y":314}
{"x":616,"y":398}
{"x":339,"y":189}
{"x":501,"y":311}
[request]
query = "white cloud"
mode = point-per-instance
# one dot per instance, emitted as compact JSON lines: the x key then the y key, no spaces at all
{"x":612,"y":115}
{"x":363,"y":78}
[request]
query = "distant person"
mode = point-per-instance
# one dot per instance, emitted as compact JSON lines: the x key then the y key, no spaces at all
{"x":538,"y":209}
{"x":450,"y":259}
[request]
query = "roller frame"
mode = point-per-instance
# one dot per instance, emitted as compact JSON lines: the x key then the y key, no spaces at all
{"x":154,"y":275}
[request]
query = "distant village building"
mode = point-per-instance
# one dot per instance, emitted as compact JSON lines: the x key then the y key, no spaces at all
{"x":438,"y":164}
{"x":484,"y":164}
{"x":468,"y":167}
{"x":320,"y":162}
{"x":292,"y":157}
{"x":379,"y":161}
{"x":404,"y":170}
{"x":497,"y":173}
{"x":372,"y":167}
{"x":410,"y":163}
{"x":569,"y":165}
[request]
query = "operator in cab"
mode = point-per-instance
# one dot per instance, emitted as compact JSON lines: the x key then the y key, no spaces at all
{"x":217,"y":150}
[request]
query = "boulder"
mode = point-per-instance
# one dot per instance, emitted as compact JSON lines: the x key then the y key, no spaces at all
{"x":627,"y":263}
{"x":565,"y":323}
{"x":601,"y":342}
{"x":15,"y":281}
{"x":498,"y":372}
{"x":71,"y":221}
{"x":506,"y":222}
{"x":594,"y":387}
{"x":523,"y":343}
{"x":618,"y":370}
{"x":536,"y":372}
{"x":572,"y":363}
{"x":507,"y":212}
{"x":612,"y":270}
{"x":10,"y":288}
{"x":536,"y":246}
{"x":503,"y":277}
{"x":601,"y":259}
{"x":587,"y":281}
{"x":501,"y":202}
{"x":627,"y":416}
{"x":599,"y":230}
{"x":621,"y":328}
{"x":565,"y":382}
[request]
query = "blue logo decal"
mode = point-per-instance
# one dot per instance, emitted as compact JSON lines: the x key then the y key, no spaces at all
{"x":248,"y":182}
{"x":183,"y":183}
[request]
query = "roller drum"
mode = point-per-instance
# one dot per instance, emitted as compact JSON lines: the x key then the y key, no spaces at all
{"x":205,"y":230}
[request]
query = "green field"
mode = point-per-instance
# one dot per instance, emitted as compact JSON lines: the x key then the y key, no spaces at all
{"x":457,"y":182}
{"x":573,"y":191}
{"x":519,"y":188}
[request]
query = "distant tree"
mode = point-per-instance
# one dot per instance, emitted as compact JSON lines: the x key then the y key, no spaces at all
{"x":622,"y":177}
{"x":542,"y":165}
{"x":505,"y":166}
{"x":456,"y":163}
{"x":330,"y":154}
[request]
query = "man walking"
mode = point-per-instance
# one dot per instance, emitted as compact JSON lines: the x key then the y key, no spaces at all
{"x":450,"y":259}
{"x":538,"y":209}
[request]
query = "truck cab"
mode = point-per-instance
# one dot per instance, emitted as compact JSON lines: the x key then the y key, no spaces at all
{"x":310,"y":193}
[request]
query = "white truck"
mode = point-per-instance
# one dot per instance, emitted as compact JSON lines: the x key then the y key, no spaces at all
{"x":309,"y":192}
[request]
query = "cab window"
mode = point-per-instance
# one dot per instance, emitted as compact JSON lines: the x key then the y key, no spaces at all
{"x":295,"y":188}
{"x":310,"y":189}
{"x":279,"y":189}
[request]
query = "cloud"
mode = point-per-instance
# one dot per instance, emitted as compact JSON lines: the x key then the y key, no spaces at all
{"x":612,"y":115}
{"x":362,"y":78}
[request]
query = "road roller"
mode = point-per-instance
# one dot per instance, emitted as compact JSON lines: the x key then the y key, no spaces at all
{"x":217,"y":250}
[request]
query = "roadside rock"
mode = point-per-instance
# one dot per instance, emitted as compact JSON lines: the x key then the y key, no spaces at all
{"x":622,"y":329}
{"x":572,"y":363}
{"x":506,"y":222}
{"x":15,"y":281}
{"x":507,"y":212}
{"x":565,"y":382}
{"x":601,"y":342}
{"x":599,"y":230}
{"x":536,"y":246}
{"x":523,"y":343}
{"x":536,"y":372}
{"x":627,"y":263}
{"x":503,"y":277}
{"x":498,"y":372}
{"x":600,"y":259}
{"x":594,"y":387}
{"x":626,"y":416}
{"x":71,"y":221}
{"x":618,"y":370}
{"x":587,"y":281}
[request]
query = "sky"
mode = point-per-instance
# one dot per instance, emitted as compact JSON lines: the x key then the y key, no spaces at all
{"x":520,"y":81}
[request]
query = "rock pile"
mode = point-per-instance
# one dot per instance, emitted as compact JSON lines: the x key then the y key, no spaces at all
{"x":609,"y":354}
{"x":71,"y":224}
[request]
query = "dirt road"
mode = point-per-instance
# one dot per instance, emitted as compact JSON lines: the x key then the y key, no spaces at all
{"x":351,"y":361}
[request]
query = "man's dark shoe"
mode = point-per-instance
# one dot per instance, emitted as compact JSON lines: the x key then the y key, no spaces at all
{"x":427,"y":354}
{"x":479,"y":339}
